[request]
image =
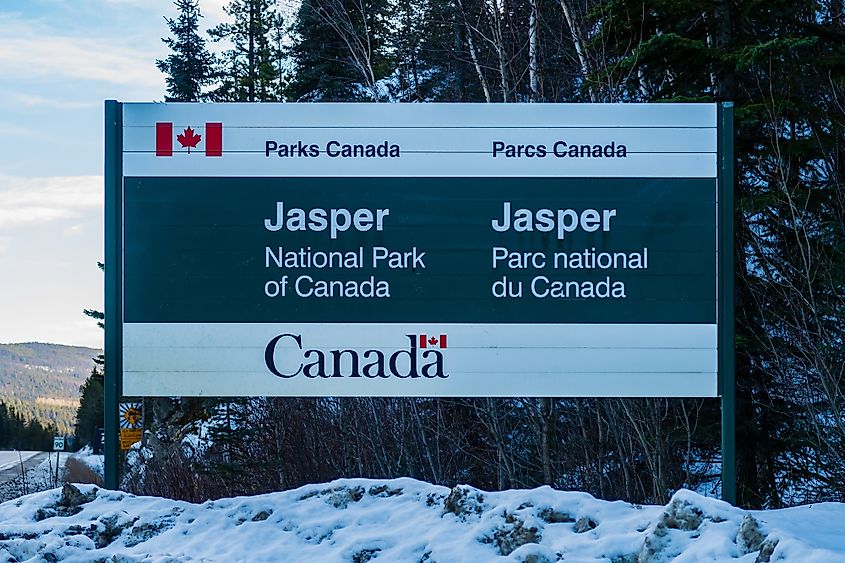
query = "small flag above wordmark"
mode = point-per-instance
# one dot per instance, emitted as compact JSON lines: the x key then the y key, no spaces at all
{"x":427,"y":341}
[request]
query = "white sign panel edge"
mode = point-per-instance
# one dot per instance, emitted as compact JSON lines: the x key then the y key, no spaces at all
{"x":229,"y":359}
{"x":454,"y":115}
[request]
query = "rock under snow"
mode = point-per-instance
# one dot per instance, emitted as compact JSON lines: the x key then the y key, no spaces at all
{"x":403,"y":520}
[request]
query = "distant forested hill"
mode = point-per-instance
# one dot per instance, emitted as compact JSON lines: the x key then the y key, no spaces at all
{"x":41,"y":381}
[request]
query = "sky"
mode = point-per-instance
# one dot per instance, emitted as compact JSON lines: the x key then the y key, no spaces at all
{"x":59,"y":60}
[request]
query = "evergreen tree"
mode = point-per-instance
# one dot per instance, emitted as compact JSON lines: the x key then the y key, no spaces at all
{"x":235,"y":456}
{"x":784,"y":66}
{"x":252,"y":70}
{"x":91,"y":413}
{"x":783,"y":63}
{"x":20,"y":434}
{"x":427,"y":51}
{"x":100,"y":317}
{"x":189,"y":66}
{"x":339,"y":53}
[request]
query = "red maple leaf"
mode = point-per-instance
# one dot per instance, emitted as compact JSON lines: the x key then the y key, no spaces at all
{"x":189,"y":139}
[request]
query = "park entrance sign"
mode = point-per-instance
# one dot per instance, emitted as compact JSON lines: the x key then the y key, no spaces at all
{"x":419,"y":250}
{"x":415,"y":249}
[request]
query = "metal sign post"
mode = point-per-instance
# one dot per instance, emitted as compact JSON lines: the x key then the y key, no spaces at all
{"x":727,"y":383}
{"x":113,"y":177}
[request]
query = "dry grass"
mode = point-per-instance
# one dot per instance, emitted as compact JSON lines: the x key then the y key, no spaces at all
{"x":78,"y":472}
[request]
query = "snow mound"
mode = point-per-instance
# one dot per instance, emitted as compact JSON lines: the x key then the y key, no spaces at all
{"x":398,"y":520}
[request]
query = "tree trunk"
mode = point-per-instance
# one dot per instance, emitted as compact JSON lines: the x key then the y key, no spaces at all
{"x":546,"y":417}
{"x":533,"y":67}
{"x":578,"y":42}
{"x":723,"y":42}
{"x":473,"y":53}
{"x":251,"y":55}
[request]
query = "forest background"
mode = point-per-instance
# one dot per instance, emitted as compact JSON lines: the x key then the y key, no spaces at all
{"x":783,"y":65}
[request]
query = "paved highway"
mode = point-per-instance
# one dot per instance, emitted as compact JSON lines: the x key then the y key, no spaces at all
{"x":11,"y":458}
{"x":10,"y":463}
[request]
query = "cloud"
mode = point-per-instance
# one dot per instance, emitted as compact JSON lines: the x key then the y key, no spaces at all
{"x":31,"y":50}
{"x":30,"y":201}
{"x":213,"y":12}
{"x":73,"y":230}
{"x":11,"y":130}
{"x":29,"y":100}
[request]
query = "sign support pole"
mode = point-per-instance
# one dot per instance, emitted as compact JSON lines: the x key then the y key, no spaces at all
{"x":726,"y":300}
{"x":113,"y":175}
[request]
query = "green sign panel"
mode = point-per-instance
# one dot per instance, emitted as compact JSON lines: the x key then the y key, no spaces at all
{"x":426,"y":250}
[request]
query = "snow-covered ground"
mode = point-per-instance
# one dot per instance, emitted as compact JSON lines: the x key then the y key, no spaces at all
{"x":360,"y":520}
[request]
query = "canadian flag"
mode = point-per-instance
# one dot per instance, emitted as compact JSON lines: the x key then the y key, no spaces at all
{"x":427,"y":341}
{"x":189,"y":139}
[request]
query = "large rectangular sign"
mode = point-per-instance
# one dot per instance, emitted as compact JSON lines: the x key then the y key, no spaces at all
{"x":419,"y":250}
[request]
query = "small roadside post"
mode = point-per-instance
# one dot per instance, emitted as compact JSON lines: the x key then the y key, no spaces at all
{"x":58,"y":447}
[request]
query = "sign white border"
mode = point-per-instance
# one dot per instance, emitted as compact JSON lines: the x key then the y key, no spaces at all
{"x":573,"y":360}
{"x":434,"y":140}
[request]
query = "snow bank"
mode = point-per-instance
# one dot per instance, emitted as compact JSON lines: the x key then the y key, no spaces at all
{"x":359,"y":520}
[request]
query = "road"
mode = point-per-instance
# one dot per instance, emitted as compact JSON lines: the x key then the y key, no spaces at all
{"x":10,"y":463}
